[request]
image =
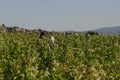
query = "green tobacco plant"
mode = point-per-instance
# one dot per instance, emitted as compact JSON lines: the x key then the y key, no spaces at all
{"x":23,"y":56}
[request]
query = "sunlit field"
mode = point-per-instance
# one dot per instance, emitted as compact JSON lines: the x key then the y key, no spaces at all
{"x":24,"y":56}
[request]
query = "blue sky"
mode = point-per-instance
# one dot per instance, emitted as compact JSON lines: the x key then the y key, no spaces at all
{"x":60,"y":15}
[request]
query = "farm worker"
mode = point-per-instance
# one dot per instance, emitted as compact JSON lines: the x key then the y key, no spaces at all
{"x":52,"y":41}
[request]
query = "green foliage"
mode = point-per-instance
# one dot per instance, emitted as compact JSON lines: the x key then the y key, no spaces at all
{"x":23,"y":56}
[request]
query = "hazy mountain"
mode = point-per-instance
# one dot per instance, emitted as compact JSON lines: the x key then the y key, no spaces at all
{"x":108,"y":30}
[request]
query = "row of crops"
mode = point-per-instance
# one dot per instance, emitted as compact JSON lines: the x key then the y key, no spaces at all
{"x":23,"y":56}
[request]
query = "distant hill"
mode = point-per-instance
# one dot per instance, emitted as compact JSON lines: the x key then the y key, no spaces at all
{"x":105,"y":30}
{"x":108,"y":30}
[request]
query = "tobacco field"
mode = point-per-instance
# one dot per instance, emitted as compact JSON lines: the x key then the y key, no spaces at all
{"x":24,"y":56}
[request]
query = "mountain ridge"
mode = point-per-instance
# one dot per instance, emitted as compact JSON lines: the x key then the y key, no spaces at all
{"x":104,"y":30}
{"x":108,"y":30}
